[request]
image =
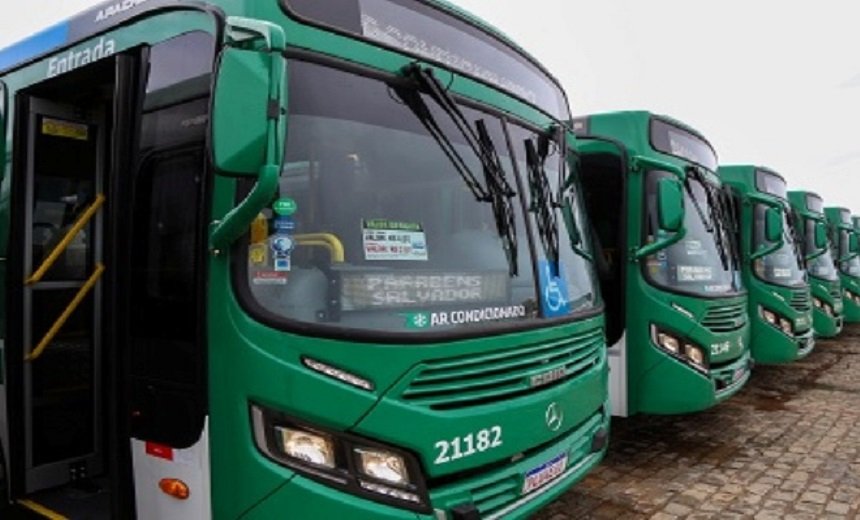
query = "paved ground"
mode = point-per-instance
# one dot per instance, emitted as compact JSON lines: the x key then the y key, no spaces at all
{"x":787,"y":446}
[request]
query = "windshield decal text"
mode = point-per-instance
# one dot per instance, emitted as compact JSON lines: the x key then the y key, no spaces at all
{"x":425,"y":320}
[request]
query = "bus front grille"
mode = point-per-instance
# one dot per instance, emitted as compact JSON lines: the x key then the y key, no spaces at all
{"x":800,"y":300}
{"x":486,"y":378}
{"x":725,"y":318}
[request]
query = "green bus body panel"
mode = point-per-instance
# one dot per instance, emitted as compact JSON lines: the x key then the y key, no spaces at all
{"x":769,"y":345}
{"x":274,"y":375}
{"x":848,"y":283}
{"x":658,"y":383}
{"x":824,"y":325}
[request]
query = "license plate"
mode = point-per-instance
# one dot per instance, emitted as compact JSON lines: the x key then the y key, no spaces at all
{"x":544,"y":473}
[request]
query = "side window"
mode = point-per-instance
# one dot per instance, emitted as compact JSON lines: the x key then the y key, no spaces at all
{"x":166,"y":322}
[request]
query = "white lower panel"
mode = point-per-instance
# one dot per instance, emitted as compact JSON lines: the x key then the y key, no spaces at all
{"x":618,"y":377}
{"x":154,"y":462}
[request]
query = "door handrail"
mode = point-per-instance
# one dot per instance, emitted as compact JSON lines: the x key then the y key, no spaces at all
{"x":58,"y":250}
{"x":72,"y":307}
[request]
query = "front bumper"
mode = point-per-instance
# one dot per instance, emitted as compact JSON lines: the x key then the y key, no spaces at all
{"x":826,"y":325}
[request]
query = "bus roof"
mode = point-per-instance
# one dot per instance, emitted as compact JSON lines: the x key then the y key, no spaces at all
{"x":109,"y":13}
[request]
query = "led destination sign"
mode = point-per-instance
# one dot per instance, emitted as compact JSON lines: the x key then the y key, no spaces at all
{"x":376,"y":291}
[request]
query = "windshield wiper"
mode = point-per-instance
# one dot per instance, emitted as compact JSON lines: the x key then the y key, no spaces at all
{"x":543,"y":204}
{"x":717,"y":223}
{"x":501,"y":195}
{"x":496,"y":190}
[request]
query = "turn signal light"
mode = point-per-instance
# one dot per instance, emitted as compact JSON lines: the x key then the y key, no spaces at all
{"x":175,"y":488}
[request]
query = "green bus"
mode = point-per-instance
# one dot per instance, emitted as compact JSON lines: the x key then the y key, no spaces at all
{"x":811,"y":226}
{"x":846,"y":255}
{"x":292,"y":258}
{"x":780,"y":304}
{"x":675,"y":308}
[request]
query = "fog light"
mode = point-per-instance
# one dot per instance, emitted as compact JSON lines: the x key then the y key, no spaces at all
{"x":383,"y":465}
{"x":306,"y":446}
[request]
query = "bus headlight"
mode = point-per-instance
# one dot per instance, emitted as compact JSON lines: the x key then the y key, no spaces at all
{"x":310,"y":447}
{"x":341,"y":460}
{"x":695,"y":355}
{"x":680,"y":348}
{"x":818,"y":303}
{"x":668,"y":342}
{"x":383,"y":465}
{"x":777,"y":320}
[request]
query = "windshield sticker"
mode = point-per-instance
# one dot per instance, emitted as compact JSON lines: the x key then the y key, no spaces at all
{"x":362,"y":291}
{"x":781,"y":272}
{"x":694,"y":248}
{"x":554,"y":296}
{"x":258,"y":254}
{"x":426,"y":320}
{"x":695,"y":273}
{"x":284,"y":224}
{"x":269,"y":278}
{"x":285,"y":207}
{"x":282,"y":248}
{"x":390,"y":240}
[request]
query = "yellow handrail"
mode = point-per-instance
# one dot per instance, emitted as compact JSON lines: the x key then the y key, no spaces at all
{"x":58,"y":250}
{"x":326,"y":240}
{"x":76,"y":301}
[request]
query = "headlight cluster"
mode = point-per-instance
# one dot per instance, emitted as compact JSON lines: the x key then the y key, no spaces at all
{"x":850,"y":296}
{"x":358,"y":466}
{"x":680,"y":348}
{"x":823,"y":306}
{"x":777,"y":320}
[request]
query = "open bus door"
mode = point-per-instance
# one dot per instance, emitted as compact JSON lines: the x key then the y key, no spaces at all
{"x":63,"y":386}
{"x":604,"y":166}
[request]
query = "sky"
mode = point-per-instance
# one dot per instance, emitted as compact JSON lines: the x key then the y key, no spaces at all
{"x":768,"y":82}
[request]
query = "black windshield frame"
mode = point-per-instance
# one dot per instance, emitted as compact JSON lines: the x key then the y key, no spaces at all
{"x":465,"y":24}
{"x":248,"y":302}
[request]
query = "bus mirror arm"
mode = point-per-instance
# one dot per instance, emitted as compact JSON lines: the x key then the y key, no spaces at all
{"x":660,"y":244}
{"x":237,"y":221}
{"x":640,"y":163}
{"x":764,"y":251}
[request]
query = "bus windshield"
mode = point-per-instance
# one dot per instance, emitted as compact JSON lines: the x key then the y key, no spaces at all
{"x":850,"y":267}
{"x":822,"y":265}
{"x":376,"y":228}
{"x":781,"y":267}
{"x":701,"y":262}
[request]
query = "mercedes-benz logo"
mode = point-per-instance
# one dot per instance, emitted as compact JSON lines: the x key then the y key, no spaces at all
{"x":554,"y":416}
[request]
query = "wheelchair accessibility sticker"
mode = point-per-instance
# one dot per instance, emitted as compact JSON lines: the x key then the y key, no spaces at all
{"x":553,"y":288}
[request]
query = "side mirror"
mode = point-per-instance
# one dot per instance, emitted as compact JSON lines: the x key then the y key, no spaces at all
{"x":773,"y":228}
{"x":670,"y":201}
{"x":248,"y":116}
{"x":248,"y":122}
{"x":820,"y":235}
